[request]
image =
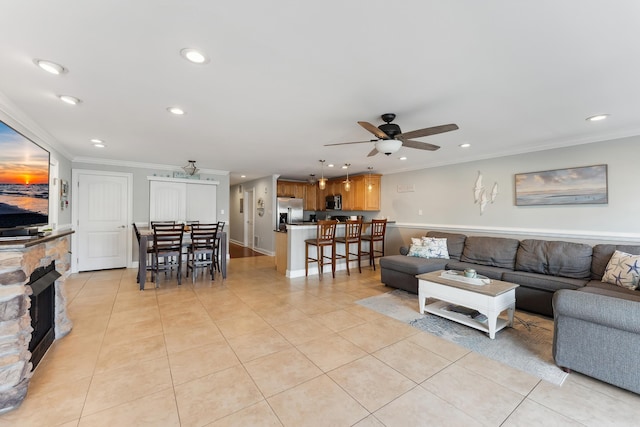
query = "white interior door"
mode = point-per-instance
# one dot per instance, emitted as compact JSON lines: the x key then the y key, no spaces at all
{"x":103,"y":219}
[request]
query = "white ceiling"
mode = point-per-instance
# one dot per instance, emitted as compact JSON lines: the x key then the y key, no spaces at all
{"x":287,"y":77}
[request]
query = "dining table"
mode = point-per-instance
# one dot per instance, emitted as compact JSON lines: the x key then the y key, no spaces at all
{"x":146,"y":235}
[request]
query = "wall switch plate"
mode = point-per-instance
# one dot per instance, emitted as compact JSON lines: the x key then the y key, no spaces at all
{"x":221,"y":211}
{"x":419,"y":211}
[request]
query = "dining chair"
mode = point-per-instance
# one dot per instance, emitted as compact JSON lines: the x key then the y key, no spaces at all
{"x":154,"y":223}
{"x":167,"y":242}
{"x":352,"y":236}
{"x":325,"y":237}
{"x":378,"y":230}
{"x":201,"y":250}
{"x":217,"y":248}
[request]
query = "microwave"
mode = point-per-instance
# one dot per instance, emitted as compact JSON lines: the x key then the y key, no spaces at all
{"x":334,"y":203}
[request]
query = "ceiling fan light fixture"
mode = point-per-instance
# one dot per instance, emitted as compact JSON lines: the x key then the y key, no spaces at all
{"x":388,"y":146}
{"x":190,"y":169}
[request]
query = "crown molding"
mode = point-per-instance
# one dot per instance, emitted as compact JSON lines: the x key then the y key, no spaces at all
{"x":140,"y":165}
{"x":14,"y":117}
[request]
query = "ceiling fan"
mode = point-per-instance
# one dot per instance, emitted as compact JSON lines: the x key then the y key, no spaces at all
{"x":391,"y":138}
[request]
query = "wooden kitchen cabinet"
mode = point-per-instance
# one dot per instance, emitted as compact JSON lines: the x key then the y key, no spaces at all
{"x":291,"y":189}
{"x":311,"y":197}
{"x":360,"y":198}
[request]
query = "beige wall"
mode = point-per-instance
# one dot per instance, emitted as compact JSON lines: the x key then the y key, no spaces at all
{"x":445,"y":196}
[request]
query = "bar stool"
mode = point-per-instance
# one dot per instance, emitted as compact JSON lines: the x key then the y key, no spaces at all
{"x":325,"y":237}
{"x":378,"y":230}
{"x":352,"y":236}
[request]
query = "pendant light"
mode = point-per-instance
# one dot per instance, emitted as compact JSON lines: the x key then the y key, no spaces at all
{"x":347,"y":183}
{"x":322,"y":182}
{"x":190,"y":168}
{"x":370,"y":186}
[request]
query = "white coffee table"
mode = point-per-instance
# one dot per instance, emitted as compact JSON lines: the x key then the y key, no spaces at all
{"x":489,"y":299}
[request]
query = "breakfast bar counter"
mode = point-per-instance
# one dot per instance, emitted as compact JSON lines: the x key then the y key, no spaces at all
{"x":294,"y":249}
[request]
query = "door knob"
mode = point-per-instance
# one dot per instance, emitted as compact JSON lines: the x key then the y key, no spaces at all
{"x":123,"y":226}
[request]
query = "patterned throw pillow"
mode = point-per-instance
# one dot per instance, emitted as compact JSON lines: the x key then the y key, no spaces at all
{"x":623,"y":270}
{"x":419,"y":251}
{"x":437,"y":247}
{"x":428,"y":247}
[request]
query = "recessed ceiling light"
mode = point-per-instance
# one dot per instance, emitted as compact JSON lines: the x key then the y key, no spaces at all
{"x":403,"y":158}
{"x":465,"y":145}
{"x":330,"y":165}
{"x":72,"y":100}
{"x":97,"y":143}
{"x":344,"y":166}
{"x":597,"y":117}
{"x":243,"y":176}
{"x":50,"y":67}
{"x":176,"y":110}
{"x":194,"y":55}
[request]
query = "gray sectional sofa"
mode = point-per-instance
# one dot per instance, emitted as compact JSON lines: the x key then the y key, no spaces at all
{"x":597,"y":324}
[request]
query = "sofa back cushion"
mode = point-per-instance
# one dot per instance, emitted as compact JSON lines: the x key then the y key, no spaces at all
{"x":564,"y":259}
{"x":495,"y":251}
{"x":602,"y":254}
{"x":455,"y":242}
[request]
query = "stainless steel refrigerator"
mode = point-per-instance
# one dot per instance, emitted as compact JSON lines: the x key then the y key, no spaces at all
{"x":290,"y":210}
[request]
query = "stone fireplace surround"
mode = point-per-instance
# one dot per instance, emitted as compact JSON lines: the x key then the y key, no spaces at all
{"x":18,"y":259}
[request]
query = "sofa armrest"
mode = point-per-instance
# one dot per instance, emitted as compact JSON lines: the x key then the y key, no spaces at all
{"x":617,"y":313}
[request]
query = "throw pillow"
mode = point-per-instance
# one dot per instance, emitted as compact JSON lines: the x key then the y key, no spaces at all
{"x":623,"y":270}
{"x":419,"y":251}
{"x":416,"y":241}
{"x":437,"y":247}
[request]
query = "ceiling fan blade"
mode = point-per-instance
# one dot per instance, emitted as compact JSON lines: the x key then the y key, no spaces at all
{"x":419,"y":145}
{"x":346,"y":143}
{"x":372,"y":153}
{"x":374,"y":130}
{"x":427,"y":131}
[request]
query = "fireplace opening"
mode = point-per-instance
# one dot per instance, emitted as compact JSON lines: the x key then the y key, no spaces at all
{"x":42,"y":310}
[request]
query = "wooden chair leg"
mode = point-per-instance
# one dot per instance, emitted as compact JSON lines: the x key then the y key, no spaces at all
{"x":346,"y":256}
{"x":320,"y":256}
{"x":306,"y":259}
{"x":333,"y":260}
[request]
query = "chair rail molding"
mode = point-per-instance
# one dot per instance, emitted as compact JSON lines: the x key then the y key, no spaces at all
{"x":534,"y":232}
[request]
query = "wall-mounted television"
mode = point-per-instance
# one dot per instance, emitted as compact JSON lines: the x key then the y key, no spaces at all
{"x":24,"y":182}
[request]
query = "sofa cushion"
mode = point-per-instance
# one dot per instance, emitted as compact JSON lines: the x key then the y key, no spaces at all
{"x":564,"y":259}
{"x":412,"y":265}
{"x":455,"y":242}
{"x":542,"y":281}
{"x":623,"y":270}
{"x":494,"y":251}
{"x":603,"y":253}
{"x":596,"y":286}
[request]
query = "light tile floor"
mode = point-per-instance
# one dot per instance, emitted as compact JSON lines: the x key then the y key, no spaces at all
{"x":258,"y":349}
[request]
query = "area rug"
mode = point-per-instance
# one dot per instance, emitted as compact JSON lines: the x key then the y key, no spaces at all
{"x":526,"y":346}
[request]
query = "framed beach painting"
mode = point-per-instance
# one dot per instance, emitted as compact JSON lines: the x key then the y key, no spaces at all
{"x":571,"y":186}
